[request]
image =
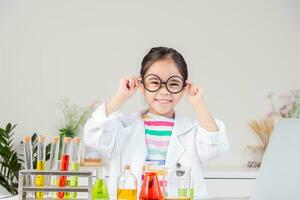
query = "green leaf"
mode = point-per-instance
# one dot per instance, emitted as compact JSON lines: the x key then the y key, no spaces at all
{"x":8,"y":127}
{"x":9,"y":161}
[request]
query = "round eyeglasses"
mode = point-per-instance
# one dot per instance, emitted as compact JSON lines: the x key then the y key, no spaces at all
{"x":153,"y":83}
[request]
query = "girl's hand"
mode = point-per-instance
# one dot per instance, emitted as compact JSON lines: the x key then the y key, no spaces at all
{"x":194,"y":93}
{"x":127,"y":87}
{"x":195,"y":96}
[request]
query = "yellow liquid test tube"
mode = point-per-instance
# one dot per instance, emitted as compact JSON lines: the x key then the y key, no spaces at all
{"x":39,"y":180}
{"x":41,"y":154}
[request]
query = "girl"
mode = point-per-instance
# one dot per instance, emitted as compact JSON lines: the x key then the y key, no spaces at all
{"x":157,"y":133}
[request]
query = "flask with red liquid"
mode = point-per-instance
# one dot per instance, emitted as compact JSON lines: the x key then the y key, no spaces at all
{"x":64,"y":164}
{"x":150,"y":188}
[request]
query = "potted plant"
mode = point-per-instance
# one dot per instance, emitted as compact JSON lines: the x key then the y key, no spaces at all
{"x":10,"y":162}
{"x":74,"y":117}
{"x":289,"y":105}
{"x":284,"y":106}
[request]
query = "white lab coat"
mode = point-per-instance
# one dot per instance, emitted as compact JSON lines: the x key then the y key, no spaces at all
{"x":122,"y":139}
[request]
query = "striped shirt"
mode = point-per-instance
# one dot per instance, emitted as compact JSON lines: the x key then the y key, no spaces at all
{"x":158,"y":131}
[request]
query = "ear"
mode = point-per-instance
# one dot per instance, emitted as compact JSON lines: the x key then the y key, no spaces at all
{"x":186,"y":87}
{"x":140,"y":85}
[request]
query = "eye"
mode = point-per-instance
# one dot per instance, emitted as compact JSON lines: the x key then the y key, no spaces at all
{"x":174,"y":84}
{"x":154,"y":82}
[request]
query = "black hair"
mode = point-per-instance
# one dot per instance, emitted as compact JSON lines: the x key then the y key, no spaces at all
{"x":160,"y":53}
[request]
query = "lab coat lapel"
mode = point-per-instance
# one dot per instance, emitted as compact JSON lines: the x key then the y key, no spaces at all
{"x":176,"y":149}
{"x":141,"y":140}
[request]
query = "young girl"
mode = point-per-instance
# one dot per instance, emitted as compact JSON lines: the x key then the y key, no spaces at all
{"x":157,"y":133}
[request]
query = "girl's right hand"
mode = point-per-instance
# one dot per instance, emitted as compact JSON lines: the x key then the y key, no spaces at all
{"x":127,"y":87}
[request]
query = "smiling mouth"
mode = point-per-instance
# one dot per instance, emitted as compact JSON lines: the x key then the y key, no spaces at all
{"x":163,"y":100}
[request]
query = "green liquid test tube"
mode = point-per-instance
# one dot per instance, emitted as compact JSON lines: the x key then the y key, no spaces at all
{"x":75,"y":163}
{"x":54,"y":163}
{"x":74,"y":179}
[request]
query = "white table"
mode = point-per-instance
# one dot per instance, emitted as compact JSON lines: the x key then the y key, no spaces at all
{"x":229,"y":182}
{"x":225,"y":182}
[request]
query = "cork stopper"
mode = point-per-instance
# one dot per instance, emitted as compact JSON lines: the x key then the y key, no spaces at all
{"x":162,"y":172}
{"x":41,"y":138}
{"x":76,"y":139}
{"x":26,"y":139}
{"x":127,"y":167}
{"x":55,"y":139}
{"x":67,"y":139}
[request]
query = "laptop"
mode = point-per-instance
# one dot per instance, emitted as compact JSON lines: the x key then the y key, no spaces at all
{"x":279,"y":175}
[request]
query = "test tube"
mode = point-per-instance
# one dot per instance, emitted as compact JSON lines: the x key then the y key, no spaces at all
{"x":54,"y":162}
{"x":41,"y":160}
{"x":64,"y":164}
{"x":28,"y":161}
{"x":75,"y":163}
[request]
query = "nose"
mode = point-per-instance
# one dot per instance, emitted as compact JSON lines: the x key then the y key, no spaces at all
{"x":163,"y":90}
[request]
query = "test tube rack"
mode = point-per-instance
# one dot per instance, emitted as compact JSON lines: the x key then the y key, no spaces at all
{"x":24,"y":188}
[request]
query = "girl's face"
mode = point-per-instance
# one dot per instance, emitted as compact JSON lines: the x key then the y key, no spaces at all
{"x":162,"y":102}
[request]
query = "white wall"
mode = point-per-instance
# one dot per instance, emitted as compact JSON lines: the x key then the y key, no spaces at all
{"x":238,"y":51}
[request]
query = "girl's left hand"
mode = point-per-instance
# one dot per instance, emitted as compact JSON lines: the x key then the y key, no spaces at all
{"x":194,"y":93}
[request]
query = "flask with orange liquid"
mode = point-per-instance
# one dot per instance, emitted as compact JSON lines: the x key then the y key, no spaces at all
{"x":127,"y":185}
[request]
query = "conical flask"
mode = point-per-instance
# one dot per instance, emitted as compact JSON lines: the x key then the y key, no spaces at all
{"x":100,"y":191}
{"x":151,"y":188}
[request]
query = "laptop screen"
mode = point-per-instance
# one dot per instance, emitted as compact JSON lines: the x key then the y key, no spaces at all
{"x":279,"y":175}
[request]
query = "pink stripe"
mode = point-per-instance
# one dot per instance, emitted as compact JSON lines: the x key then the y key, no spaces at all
{"x":158,"y":143}
{"x":163,"y":183}
{"x":159,"y":123}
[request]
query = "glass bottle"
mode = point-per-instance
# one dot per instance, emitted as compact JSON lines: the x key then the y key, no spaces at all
{"x":127,"y":185}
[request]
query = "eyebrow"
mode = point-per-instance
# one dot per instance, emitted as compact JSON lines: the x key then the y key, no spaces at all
{"x":158,"y":78}
{"x":152,"y":78}
{"x":176,"y":81}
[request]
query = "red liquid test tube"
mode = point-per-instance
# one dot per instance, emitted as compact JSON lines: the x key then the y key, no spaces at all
{"x":64,"y":164}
